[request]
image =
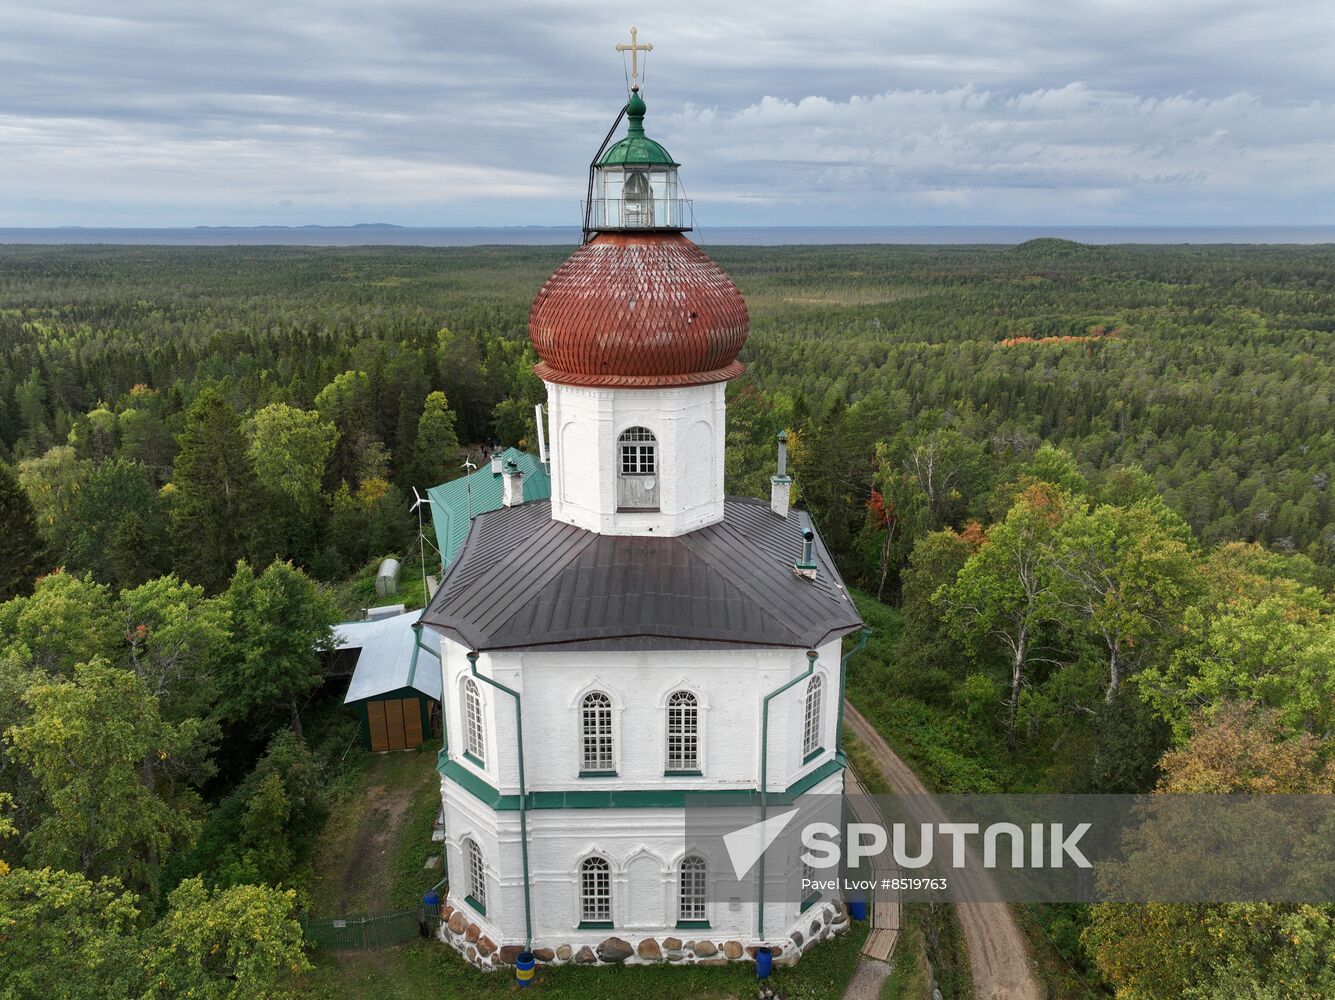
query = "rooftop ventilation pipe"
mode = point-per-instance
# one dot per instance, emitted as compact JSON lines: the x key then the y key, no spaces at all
{"x":781,"y":485}
{"x":512,"y":493}
{"x":496,"y":463}
{"x":806,"y":566}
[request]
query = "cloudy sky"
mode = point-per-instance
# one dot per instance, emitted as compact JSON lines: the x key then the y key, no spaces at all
{"x":841,"y":112}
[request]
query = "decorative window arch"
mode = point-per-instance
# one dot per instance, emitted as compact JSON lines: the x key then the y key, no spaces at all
{"x":477,"y":874}
{"x":595,"y":734}
{"x":692,"y":888}
{"x":637,"y":468}
{"x":813,"y":717}
{"x":683,"y":731}
{"x":595,"y":891}
{"x":475,"y":742}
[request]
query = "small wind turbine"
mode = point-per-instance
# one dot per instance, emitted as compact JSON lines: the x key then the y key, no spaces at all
{"x":418,"y":503}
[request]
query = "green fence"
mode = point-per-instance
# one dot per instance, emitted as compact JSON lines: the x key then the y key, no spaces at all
{"x":379,"y":930}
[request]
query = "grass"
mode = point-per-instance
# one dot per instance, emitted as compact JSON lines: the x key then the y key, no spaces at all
{"x":860,"y":756}
{"x":371,"y":855}
{"x":353,"y":595}
{"x":910,"y":978}
{"x":430,"y":969}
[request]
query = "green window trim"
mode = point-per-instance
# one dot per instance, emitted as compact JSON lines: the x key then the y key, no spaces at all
{"x":476,"y":905}
{"x":684,"y":774}
{"x":474,"y":760}
{"x":693,"y":925}
{"x":597,"y":774}
{"x":594,"y":925}
{"x":634,"y":798}
{"x":809,"y":902}
{"x":813,"y":755}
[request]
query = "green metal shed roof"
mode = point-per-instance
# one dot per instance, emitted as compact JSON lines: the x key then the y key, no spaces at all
{"x":456,"y":503}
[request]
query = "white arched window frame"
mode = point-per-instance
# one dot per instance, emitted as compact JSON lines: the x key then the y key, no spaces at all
{"x":475,"y":742}
{"x":637,"y":469}
{"x":595,"y":892}
{"x":477,"y":876}
{"x":683,"y":733}
{"x":596,"y":742}
{"x":813,"y":717}
{"x":692,"y":891}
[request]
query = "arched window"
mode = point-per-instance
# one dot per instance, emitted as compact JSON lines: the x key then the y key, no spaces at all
{"x":691,"y":884}
{"x":595,"y":727}
{"x":812,"y":719}
{"x":477,"y":875}
{"x":637,"y":479}
{"x":595,"y":891}
{"x":475,"y":744}
{"x":683,"y":732}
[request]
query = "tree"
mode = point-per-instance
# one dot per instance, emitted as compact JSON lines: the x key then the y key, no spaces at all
{"x":1006,"y":592}
{"x":1276,"y":650}
{"x":1127,"y":575}
{"x":215,"y":501}
{"x":436,"y":449}
{"x":1165,"y":951}
{"x":281,"y":624}
{"x":52,"y":481}
{"x":117,"y":523}
{"x":85,"y":742}
{"x":65,"y":936}
{"x":237,"y":943}
{"x":290,"y":451}
{"x":349,"y":404}
{"x":176,"y":641}
{"x":22,"y":549}
{"x":67,"y":620}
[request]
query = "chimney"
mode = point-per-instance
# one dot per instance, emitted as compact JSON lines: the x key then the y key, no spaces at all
{"x":781,"y":485}
{"x":496,"y":463}
{"x":806,"y":566}
{"x":512,"y":495}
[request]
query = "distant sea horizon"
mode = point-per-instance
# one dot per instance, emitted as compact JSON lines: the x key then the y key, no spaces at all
{"x":381,"y":234}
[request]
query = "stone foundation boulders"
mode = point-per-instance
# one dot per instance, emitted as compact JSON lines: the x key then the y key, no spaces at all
{"x":471,"y":940}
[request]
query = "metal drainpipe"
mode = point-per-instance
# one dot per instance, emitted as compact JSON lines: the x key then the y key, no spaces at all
{"x":523,"y":793}
{"x":444,"y":732}
{"x":863,"y":636}
{"x":764,"y":777}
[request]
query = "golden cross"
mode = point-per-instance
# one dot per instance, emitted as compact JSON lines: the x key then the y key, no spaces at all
{"x":634,"y":51}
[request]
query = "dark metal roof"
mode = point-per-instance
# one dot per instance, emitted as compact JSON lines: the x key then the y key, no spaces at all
{"x":525,"y":581}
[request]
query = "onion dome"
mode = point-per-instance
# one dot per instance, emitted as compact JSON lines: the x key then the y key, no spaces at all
{"x":639,"y":310}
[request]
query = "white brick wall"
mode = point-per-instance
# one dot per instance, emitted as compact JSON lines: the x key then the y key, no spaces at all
{"x":585,"y":424}
{"x":643,"y":845}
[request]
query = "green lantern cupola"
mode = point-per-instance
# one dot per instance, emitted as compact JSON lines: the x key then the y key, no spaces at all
{"x":635,"y":184}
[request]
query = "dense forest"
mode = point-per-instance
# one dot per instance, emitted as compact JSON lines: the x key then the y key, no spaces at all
{"x":1085,"y":491}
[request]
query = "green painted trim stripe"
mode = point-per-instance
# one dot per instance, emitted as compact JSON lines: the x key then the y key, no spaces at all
{"x":648,"y":798}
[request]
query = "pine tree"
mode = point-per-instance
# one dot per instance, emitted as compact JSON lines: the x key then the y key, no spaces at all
{"x":217,"y":513}
{"x":22,"y":551}
{"x":437,"y":444}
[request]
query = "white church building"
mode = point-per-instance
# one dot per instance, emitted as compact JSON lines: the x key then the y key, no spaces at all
{"x":639,"y":640}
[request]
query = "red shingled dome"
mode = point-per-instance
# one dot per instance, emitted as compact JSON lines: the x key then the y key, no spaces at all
{"x":641,"y":310}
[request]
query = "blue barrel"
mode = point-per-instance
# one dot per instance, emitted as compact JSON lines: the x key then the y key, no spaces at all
{"x":431,"y":900}
{"x":857,"y":908}
{"x":524,"y":964}
{"x":764,"y":963}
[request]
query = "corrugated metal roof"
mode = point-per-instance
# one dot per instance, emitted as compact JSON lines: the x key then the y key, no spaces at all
{"x":524,"y":581}
{"x":452,"y":508}
{"x":389,"y":658}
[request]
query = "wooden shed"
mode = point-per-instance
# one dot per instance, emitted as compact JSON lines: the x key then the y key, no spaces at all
{"x":395,"y":684}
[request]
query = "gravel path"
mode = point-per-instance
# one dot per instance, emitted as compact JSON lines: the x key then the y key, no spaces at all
{"x":998,"y":953}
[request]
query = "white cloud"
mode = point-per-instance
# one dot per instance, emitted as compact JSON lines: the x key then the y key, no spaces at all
{"x":962,"y":111}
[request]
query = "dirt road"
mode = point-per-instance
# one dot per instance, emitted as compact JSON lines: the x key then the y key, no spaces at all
{"x":998,"y":953}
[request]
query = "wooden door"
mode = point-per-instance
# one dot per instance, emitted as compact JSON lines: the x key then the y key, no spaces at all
{"x":375,"y":718}
{"x":412,"y":722}
{"x":394,"y":723}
